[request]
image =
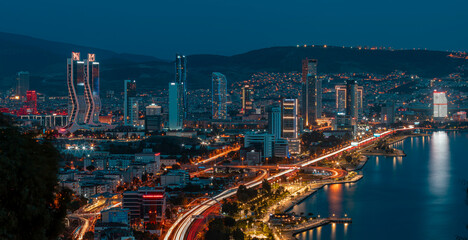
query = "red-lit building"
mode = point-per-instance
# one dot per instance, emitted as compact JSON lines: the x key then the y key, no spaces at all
{"x":30,"y":106}
{"x":147,"y":205}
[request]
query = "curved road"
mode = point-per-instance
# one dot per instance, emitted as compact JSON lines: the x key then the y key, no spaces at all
{"x":182,"y":225}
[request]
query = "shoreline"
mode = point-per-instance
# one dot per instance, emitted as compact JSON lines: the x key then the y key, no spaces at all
{"x":396,"y":152}
{"x":315,"y":187}
{"x":363,"y":160}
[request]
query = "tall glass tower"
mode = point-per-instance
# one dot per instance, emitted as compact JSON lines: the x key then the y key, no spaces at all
{"x":311,"y":105}
{"x":175,"y":120}
{"x":219,"y":96}
{"x":130,"y":103}
{"x":181,"y":80}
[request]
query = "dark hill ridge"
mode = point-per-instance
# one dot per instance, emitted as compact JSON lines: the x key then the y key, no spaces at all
{"x":46,"y":61}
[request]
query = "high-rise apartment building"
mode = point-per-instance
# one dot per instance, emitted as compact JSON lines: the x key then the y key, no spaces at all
{"x":130,"y":103}
{"x":247,"y":99}
{"x":175,"y":116}
{"x":274,"y":121}
{"x":440,"y":105}
{"x":22,"y":83}
{"x":219,"y":96}
{"x":311,"y":105}
{"x":289,"y":118}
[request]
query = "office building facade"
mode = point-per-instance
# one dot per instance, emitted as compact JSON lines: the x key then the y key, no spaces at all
{"x":147,"y":204}
{"x":262,"y":142}
{"x":289,"y":118}
{"x":274,"y":121}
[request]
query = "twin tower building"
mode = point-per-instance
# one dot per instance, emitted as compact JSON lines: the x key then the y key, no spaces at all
{"x":84,"y":103}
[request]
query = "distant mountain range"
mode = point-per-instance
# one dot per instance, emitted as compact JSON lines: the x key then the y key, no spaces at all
{"x":46,"y":61}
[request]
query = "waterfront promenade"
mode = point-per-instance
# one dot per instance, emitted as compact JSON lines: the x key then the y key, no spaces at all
{"x":290,"y":231}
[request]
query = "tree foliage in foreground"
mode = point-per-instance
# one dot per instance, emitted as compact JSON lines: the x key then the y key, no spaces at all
{"x":30,"y":206}
{"x":223,"y":229}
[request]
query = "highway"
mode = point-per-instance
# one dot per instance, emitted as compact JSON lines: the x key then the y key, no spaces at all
{"x":218,"y":155}
{"x":87,"y":215}
{"x":182,"y":225}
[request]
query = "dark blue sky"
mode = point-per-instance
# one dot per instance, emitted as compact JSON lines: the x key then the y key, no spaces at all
{"x":161,"y":28}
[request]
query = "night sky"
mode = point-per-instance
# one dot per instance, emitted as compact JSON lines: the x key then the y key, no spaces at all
{"x":162,"y":28}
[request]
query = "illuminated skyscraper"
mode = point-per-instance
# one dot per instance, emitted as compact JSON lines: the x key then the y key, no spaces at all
{"x":219,"y":96}
{"x":130,"y":103}
{"x":175,"y":117}
{"x":83,"y":93}
{"x":290,"y":124}
{"x":22,"y":83}
{"x":311,"y":108}
{"x":181,"y":80}
{"x":76,"y":79}
{"x":289,"y":118}
{"x":247,"y":99}
{"x":93,"y":101}
{"x":351,"y":99}
{"x":440,"y":105}
{"x":342,"y":98}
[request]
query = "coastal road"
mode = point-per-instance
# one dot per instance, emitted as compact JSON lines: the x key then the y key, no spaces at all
{"x":181,"y":227}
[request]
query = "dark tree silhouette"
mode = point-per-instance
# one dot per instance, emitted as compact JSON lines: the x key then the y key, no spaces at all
{"x":31,"y":206}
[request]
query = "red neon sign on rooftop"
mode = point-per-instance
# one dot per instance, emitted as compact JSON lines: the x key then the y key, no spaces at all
{"x":154,"y":196}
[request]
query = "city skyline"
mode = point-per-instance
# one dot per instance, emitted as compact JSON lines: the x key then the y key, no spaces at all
{"x":308,"y":141}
